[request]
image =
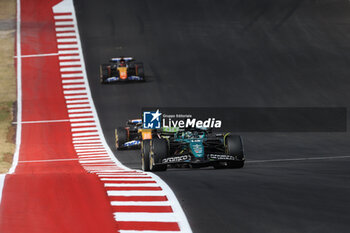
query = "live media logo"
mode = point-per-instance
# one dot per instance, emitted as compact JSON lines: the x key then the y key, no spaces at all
{"x":152,"y":120}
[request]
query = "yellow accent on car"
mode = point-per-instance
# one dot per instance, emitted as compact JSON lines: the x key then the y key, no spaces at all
{"x":225,"y":135}
{"x":146,"y":134}
{"x":123,"y":74}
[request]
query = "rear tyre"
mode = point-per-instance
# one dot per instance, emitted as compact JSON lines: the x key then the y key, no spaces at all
{"x":139,"y":71}
{"x":159,"y":150}
{"x":145,"y":154}
{"x":121,"y":137}
{"x":234,"y":147}
{"x":104,"y":72}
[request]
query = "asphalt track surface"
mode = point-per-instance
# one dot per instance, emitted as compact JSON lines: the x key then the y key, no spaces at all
{"x":265,"y":53}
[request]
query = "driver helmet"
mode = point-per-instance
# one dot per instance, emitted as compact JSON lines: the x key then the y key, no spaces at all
{"x":122,"y":62}
{"x":188,"y":134}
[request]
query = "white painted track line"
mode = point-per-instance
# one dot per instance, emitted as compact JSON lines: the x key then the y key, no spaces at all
{"x":72,"y":81}
{"x":75,"y":97}
{"x":90,"y":145}
{"x":85,"y":134}
{"x":93,"y":153}
{"x":83,"y":124}
{"x":70,"y":97}
{"x":78,"y":106}
{"x":124,"y":175}
{"x":66,"y":40}
{"x":75,"y":75}
{"x":61,"y":57}
{"x":80,"y":115}
{"x":71,"y":69}
{"x":140,"y":203}
{"x":118,"y":173}
{"x":67,"y":46}
{"x":63,"y":17}
{"x":102,"y":151}
{"x":47,"y":160}
{"x":94,"y":156}
{"x":79,"y":110}
{"x":39,"y":55}
{"x":62,"y":29}
{"x":135,"y":231}
{"x":145,"y":217}
{"x":74,"y":92}
{"x":95,"y":161}
{"x":70,"y":63}
{"x":74,"y":86}
{"x":110,"y":170}
{"x":65,"y":52}
{"x":65,"y":34}
{"x":86,"y":140}
{"x":80,"y":151}
{"x":2,"y":181}
{"x":131,"y":185}
{"x":81,"y":119}
{"x":43,"y":121}
{"x":129,"y":179}
{"x":64,"y":23}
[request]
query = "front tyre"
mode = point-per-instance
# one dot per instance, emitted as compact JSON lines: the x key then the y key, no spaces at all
{"x":121,"y":137}
{"x":145,"y":154}
{"x":234,"y":147}
{"x":104,"y":72}
{"x":159,"y":150}
{"x":139,"y":71}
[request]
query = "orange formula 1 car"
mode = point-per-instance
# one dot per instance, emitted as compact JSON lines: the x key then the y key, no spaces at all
{"x":121,"y":69}
{"x":130,"y":136}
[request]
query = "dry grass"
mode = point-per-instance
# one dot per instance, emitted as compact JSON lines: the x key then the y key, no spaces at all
{"x":7,"y":82}
{"x":7,"y":9}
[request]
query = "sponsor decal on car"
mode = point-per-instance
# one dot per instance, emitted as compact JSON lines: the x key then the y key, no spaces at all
{"x":220,"y":157}
{"x":135,"y":78}
{"x":198,"y":148}
{"x":132,"y":143}
{"x":176,"y":159}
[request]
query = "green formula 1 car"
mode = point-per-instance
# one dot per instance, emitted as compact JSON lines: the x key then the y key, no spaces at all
{"x":191,"y":147}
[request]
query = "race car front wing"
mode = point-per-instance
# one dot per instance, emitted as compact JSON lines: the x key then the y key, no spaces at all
{"x":129,"y":78}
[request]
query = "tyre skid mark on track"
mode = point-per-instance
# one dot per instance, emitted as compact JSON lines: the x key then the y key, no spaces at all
{"x":140,"y":201}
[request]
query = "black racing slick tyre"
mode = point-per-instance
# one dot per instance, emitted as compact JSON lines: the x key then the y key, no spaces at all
{"x":145,"y":154}
{"x":139,"y":71}
{"x":159,"y":150}
{"x":104,"y":72}
{"x":234,"y":147}
{"x":121,"y":137}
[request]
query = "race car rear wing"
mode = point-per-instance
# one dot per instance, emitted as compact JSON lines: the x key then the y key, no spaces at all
{"x":119,"y":58}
